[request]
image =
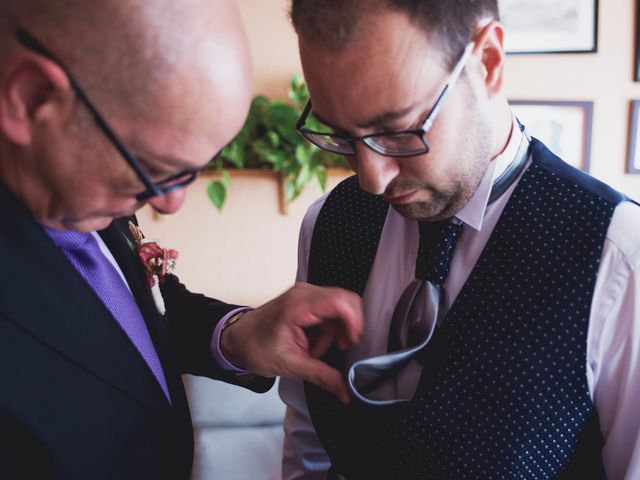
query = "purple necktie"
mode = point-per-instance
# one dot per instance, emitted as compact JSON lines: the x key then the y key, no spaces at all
{"x":84,"y":253}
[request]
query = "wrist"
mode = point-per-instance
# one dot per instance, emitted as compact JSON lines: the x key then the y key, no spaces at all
{"x":233,"y":319}
{"x":228,"y":339}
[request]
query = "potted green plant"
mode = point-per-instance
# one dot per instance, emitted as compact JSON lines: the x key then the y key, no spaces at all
{"x":269,"y":141}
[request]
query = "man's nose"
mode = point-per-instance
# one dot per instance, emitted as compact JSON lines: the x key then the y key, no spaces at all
{"x":375,"y":171}
{"x":169,"y":202}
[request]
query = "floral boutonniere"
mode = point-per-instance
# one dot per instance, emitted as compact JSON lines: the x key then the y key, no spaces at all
{"x":158,"y":262}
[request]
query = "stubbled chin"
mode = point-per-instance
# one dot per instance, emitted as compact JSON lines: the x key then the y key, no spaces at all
{"x":421,"y":211}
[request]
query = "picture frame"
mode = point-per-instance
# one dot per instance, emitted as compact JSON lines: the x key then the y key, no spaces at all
{"x":636,"y":71}
{"x":565,"y":127}
{"x":550,"y":26}
{"x":633,"y":154}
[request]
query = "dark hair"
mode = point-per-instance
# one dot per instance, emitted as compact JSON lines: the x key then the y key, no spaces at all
{"x":334,"y":23}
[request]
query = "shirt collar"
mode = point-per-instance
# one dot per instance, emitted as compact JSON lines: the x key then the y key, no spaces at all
{"x":472,"y":214}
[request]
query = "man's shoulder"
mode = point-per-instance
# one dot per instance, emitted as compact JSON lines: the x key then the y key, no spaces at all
{"x":314,"y":209}
{"x":624,"y":231}
{"x":346,"y":200}
{"x":556,"y":167}
{"x":311,"y":216}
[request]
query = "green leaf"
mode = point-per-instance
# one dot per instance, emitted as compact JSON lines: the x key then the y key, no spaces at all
{"x":304,"y":177}
{"x":281,"y":162}
{"x":303,"y":154}
{"x":290,"y":192}
{"x":268,"y":153}
{"x":226,"y":179}
{"x":259,"y":107}
{"x":298,"y":92}
{"x":274,"y":139}
{"x":321,"y":178}
{"x":235,"y":152}
{"x":282,"y":119}
{"x":218,"y":192}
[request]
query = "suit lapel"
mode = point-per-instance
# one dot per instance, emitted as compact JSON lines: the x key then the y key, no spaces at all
{"x":45,"y":295}
{"x":120,"y":242}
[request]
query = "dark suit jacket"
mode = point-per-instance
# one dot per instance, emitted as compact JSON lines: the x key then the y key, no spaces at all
{"x":77,"y":401}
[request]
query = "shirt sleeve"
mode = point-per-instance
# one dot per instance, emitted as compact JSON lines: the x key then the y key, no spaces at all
{"x":216,"y":351}
{"x":303,"y":454}
{"x":613,"y":346}
{"x":304,"y":457}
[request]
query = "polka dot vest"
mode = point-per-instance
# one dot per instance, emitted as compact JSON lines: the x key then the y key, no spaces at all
{"x":503,"y":394}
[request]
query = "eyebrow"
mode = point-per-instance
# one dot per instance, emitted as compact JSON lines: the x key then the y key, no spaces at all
{"x":376,"y":121}
{"x":386,"y":118}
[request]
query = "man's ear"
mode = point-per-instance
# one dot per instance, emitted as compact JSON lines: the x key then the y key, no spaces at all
{"x":489,"y":43}
{"x":33,"y":89}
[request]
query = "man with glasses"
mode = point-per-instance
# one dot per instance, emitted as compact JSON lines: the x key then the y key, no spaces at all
{"x":501,"y":287}
{"x":106,"y":106}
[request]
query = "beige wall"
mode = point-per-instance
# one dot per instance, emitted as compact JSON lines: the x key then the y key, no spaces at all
{"x":274,"y":47}
{"x":248,"y":253}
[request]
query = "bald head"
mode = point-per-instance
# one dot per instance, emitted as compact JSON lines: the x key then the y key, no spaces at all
{"x":128,"y":49}
{"x":173,"y":80}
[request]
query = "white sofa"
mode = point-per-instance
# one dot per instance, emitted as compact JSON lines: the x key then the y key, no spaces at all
{"x":238,"y":433}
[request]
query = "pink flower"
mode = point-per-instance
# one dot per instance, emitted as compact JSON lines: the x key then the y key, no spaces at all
{"x":158,"y":262}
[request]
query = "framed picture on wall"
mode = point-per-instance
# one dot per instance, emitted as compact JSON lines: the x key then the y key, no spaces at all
{"x":633,"y":156}
{"x":564,"y":127}
{"x":550,"y":26}
{"x":637,"y":65}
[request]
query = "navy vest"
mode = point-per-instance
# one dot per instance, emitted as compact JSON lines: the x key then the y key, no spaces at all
{"x":504,"y":393}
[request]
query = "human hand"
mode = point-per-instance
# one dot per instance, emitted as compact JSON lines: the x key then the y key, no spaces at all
{"x":271,"y":340}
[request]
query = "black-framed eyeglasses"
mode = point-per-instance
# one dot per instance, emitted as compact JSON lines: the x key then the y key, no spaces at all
{"x":153,"y":189}
{"x":405,"y":143}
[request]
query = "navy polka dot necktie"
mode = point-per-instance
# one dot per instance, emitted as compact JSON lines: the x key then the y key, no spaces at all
{"x":437,"y":243}
{"x":421,"y":308}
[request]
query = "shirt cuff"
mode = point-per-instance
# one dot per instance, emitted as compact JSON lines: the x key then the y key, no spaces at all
{"x":216,"y":351}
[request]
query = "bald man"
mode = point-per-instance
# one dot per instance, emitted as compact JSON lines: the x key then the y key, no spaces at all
{"x":106,"y":106}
